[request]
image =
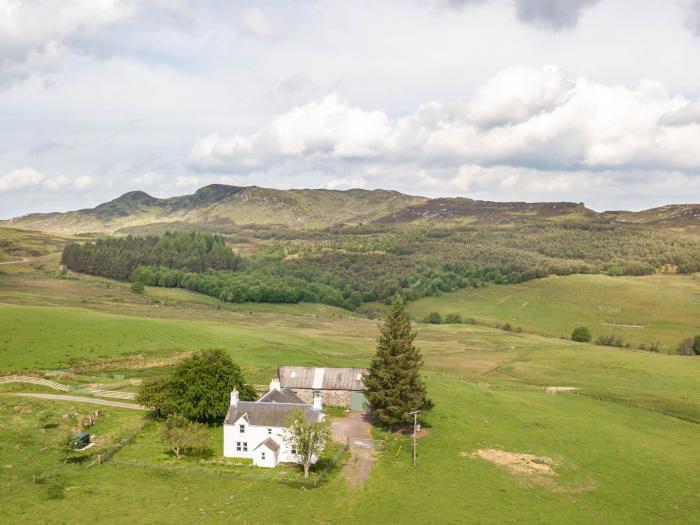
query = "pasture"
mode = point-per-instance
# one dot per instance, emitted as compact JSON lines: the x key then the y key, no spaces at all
{"x":642,"y":310}
{"x":623,"y":448}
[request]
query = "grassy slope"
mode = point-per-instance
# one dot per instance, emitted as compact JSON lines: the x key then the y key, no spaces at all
{"x":617,"y":461}
{"x":665,"y":306}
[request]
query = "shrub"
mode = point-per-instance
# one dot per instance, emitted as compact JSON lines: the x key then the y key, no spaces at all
{"x":433,"y":318}
{"x":610,"y":340}
{"x":453,"y":319}
{"x":137,"y":287}
{"x":696,"y":345}
{"x":507,"y":327}
{"x":581,"y":335}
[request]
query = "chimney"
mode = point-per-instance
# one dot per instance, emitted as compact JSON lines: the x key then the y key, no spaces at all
{"x":234,"y":397}
{"x":275,"y":384}
{"x":317,"y":400}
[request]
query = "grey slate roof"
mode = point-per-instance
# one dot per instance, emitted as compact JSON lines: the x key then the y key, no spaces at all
{"x":285,"y":395}
{"x":321,"y":378}
{"x":269,"y":414}
{"x":269,"y":443}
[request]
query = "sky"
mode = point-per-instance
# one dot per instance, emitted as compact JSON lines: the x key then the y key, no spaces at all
{"x":594,"y":101}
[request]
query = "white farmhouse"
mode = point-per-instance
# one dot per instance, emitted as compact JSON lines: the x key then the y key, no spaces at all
{"x":255,"y":429}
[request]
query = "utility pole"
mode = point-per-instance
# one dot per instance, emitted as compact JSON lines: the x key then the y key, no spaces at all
{"x":415,"y":429}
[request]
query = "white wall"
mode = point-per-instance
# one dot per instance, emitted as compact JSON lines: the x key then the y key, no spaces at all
{"x":254,"y":435}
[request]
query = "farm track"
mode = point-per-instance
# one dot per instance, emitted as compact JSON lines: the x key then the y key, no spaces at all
{"x":93,"y":390}
{"x":78,"y":399}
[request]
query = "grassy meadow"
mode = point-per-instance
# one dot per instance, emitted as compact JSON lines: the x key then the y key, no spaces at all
{"x":622,"y":449}
{"x":641,"y":310}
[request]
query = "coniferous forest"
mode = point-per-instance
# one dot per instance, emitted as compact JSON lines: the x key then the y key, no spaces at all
{"x":350,"y":265}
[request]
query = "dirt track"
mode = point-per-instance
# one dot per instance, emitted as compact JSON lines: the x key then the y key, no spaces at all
{"x":355,"y":430}
{"x":78,"y":399}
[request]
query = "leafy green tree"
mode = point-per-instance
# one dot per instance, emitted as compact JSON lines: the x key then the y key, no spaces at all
{"x":307,"y":438}
{"x":198,"y":389}
{"x":201,"y":385}
{"x":157,"y":393}
{"x":581,"y":335}
{"x":394,"y":385}
{"x":180,"y":434}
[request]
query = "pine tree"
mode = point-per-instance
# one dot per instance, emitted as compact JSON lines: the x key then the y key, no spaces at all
{"x":394,"y":385}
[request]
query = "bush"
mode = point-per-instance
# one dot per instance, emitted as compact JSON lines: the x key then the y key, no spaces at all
{"x":581,"y":335}
{"x":433,"y":318}
{"x":137,"y":287}
{"x":696,"y":345}
{"x":507,"y":327}
{"x":610,"y":340}
{"x":453,"y":319}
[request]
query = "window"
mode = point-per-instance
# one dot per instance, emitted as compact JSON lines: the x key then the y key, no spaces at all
{"x":245,"y":446}
{"x":241,"y":429}
{"x":294,"y":451}
{"x":262,"y":456}
{"x":269,"y":431}
{"x":238,"y":446}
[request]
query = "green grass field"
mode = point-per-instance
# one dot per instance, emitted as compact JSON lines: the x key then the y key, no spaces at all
{"x":642,"y":310}
{"x":624,"y":447}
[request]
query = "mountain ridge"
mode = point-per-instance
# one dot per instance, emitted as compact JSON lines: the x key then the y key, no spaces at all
{"x":226,"y":206}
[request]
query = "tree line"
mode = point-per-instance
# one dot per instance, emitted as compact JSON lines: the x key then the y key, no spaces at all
{"x":118,"y":257}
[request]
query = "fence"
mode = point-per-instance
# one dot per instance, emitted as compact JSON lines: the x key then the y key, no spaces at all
{"x":125,"y":440}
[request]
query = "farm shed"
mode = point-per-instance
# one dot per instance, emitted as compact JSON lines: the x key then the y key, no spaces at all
{"x":337,"y":386}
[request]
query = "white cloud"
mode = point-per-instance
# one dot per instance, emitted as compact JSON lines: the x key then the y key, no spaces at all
{"x":258,"y":23}
{"x":35,"y":34}
{"x":19,"y":179}
{"x":345,"y":184}
{"x":539,"y":118}
{"x":83,"y":182}
{"x":57,"y":183}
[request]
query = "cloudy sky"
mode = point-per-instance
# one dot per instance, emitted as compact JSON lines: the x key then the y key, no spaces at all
{"x":580,"y":100}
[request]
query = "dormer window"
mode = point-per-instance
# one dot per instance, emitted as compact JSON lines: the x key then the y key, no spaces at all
{"x":269,"y":431}
{"x":241,"y":429}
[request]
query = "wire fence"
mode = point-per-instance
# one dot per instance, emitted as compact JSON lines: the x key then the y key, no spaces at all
{"x":242,"y":473}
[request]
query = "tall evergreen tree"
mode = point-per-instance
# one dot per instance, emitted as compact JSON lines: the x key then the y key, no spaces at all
{"x":394,"y":385}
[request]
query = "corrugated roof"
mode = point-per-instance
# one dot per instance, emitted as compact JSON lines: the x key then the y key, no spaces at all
{"x":321,"y":378}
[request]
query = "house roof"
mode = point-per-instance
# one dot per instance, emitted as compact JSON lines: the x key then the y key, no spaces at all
{"x":269,"y":414}
{"x":284,"y":395}
{"x":321,"y":378}
{"x":269,"y":443}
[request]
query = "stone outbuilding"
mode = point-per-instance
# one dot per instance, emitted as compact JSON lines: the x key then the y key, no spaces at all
{"x":337,"y":386}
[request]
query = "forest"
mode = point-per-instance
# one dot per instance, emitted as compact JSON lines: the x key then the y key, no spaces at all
{"x":348,"y":266}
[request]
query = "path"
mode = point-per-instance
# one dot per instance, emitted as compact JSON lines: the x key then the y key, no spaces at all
{"x":93,"y":389}
{"x":23,"y":260}
{"x":355,"y":430}
{"x":78,"y":399}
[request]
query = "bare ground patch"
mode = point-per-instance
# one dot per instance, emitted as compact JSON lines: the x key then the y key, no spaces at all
{"x":537,"y":470}
{"x":517,"y":463}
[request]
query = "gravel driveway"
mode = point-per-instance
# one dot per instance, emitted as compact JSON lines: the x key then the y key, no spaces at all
{"x":355,"y":430}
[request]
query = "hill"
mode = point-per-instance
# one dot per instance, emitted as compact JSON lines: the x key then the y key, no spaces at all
{"x":223,"y":208}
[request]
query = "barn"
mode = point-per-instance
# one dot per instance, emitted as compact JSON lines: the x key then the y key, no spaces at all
{"x":337,"y":386}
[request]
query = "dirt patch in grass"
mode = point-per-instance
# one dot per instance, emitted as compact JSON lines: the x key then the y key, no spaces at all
{"x":517,"y":463}
{"x":129,"y":362}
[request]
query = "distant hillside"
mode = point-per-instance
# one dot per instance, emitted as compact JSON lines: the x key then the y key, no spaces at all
{"x":222,"y":208}
{"x":485,"y":212}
